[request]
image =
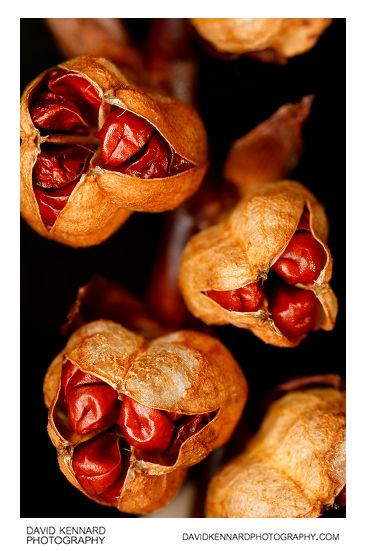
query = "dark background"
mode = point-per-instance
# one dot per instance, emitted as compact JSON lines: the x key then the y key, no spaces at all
{"x":234,"y":96}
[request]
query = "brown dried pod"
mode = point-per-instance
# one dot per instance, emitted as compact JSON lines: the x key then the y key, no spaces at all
{"x":269,"y":152}
{"x":268,"y":39}
{"x":96,"y":37}
{"x":168,"y":402}
{"x":294,"y":467}
{"x":102,"y":298}
{"x":266,"y":267}
{"x":95,"y":148}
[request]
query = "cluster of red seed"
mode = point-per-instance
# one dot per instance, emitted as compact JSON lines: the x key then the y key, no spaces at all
{"x":66,"y":103}
{"x":93,"y":405}
{"x":130,"y":144}
{"x":294,"y":310}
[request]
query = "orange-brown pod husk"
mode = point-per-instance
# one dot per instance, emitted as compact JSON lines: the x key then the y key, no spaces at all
{"x":101,"y":37}
{"x":242,"y":248}
{"x":269,"y":152}
{"x":103,"y":200}
{"x":141,"y":493}
{"x":102,"y":298}
{"x":294,"y":467}
{"x":184,"y":372}
{"x":285,"y":37}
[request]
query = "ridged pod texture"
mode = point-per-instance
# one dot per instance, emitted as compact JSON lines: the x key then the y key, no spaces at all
{"x":103,"y":199}
{"x":288,"y":36}
{"x":294,"y":467}
{"x":185,"y":373}
{"x":242,"y":249}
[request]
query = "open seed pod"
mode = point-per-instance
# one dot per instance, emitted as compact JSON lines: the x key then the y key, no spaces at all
{"x":266,"y":267}
{"x":128,"y":416}
{"x":268,"y":39}
{"x":293,"y":467}
{"x":95,"y":148}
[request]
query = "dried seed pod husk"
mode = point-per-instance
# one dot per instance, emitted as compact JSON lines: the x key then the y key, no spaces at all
{"x":100,"y":37}
{"x":242,"y":248}
{"x":103,"y":199}
{"x":269,"y":152}
{"x":278,"y":38}
{"x":141,"y":493}
{"x":102,"y":298}
{"x":293,"y":467}
{"x":184,"y":372}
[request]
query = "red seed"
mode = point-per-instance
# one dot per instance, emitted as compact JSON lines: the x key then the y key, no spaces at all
{"x":97,"y":463}
{"x":144,"y":427}
{"x":302,"y":261}
{"x":122,"y":135}
{"x":245,"y":299}
{"x":92,"y":407}
{"x":294,"y":311}
{"x":153,"y":162}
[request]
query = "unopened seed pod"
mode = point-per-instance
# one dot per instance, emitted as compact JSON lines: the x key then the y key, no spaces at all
{"x":270,"y":39}
{"x":293,"y":467}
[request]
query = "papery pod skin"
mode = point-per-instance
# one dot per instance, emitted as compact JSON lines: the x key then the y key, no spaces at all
{"x":184,"y":372}
{"x":144,"y":493}
{"x":287,"y":37}
{"x":102,"y":298}
{"x":180,"y":125}
{"x":242,"y":248}
{"x":270,"y":151}
{"x":102,"y":37}
{"x":103,"y":200}
{"x":294,"y":467}
{"x":141,"y":494}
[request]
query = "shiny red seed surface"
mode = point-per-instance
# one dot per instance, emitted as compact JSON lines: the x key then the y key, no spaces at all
{"x":144,"y":427}
{"x":302,"y":261}
{"x":97,"y":463}
{"x":294,"y":311}
{"x":122,"y":135}
{"x":245,"y":299}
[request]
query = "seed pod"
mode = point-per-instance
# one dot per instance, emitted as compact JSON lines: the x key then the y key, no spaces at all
{"x":180,"y":395}
{"x":101,"y":298}
{"x":240,"y":251}
{"x":100,"y":37}
{"x":268,"y":39}
{"x":270,"y":151}
{"x":293,"y":467}
{"x":95,"y":148}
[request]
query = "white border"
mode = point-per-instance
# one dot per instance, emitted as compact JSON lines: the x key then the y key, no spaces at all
{"x":164,"y":534}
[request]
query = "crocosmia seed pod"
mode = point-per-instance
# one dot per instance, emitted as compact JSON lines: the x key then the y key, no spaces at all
{"x":266,"y":267}
{"x":294,"y":466}
{"x":268,"y":39}
{"x":95,"y":148}
{"x":129,"y":415}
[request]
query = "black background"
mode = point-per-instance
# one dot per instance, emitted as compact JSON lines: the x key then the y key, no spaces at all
{"x":234,"y":96}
